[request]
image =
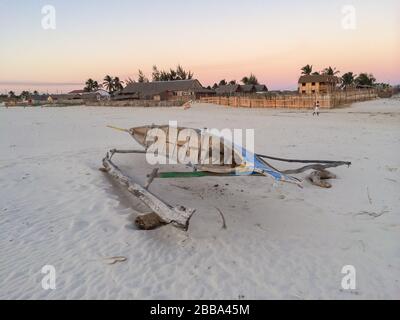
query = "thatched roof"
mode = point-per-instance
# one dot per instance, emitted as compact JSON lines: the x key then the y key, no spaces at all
{"x":204,"y":90}
{"x":318,"y":78}
{"x":261,"y":88}
{"x":236,"y":88}
{"x":228,"y":89}
{"x":77,"y":92}
{"x":64,"y":96}
{"x":247,"y":88}
{"x":94,"y":94}
{"x":148,"y":89}
{"x":128,"y":96}
{"x":39,"y":97}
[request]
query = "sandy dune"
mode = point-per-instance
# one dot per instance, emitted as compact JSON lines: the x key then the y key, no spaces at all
{"x":281,"y":241}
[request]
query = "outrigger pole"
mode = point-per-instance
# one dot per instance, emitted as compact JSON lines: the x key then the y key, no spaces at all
{"x":178,"y":216}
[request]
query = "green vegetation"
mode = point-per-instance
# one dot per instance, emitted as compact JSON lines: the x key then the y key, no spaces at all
{"x":91,"y":85}
{"x":365,"y":79}
{"x":142,"y":77}
{"x":251,"y":80}
{"x":348,"y":79}
{"x":307,"y":70}
{"x":112,"y":84}
{"x":108,"y":83}
{"x":173,"y":74}
{"x":329,"y":71}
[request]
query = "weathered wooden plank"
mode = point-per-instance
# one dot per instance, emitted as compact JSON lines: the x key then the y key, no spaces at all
{"x":177,"y":216}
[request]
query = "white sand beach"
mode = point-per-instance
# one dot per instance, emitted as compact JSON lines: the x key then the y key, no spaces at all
{"x":281,"y":241}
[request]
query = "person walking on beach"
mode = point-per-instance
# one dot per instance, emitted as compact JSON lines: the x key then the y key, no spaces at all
{"x":316,"y":109}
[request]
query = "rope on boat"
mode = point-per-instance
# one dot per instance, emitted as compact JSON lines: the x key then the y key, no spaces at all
{"x":337,"y":163}
{"x":118,"y":129}
{"x":318,"y":167}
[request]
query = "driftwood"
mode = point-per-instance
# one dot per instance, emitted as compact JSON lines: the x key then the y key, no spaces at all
{"x":223,"y":218}
{"x":373,"y":214}
{"x":114,"y":260}
{"x":127,"y":151}
{"x":177,"y":216}
{"x":318,"y":178}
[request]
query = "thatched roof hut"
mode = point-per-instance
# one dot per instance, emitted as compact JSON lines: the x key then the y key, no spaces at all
{"x":163,"y":90}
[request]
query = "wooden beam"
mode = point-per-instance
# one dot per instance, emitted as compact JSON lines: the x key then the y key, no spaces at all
{"x":178,"y":216}
{"x":128,"y":151}
{"x":197,"y":174}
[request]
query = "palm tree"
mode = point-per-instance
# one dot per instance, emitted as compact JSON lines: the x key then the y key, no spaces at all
{"x":25,"y":95}
{"x":365,"y":79}
{"x":252,"y":79}
{"x":330,"y":71}
{"x":108,"y":83}
{"x":90,"y":85}
{"x":348,"y":80}
{"x":118,"y":84}
{"x":171,"y":75}
{"x":306,"y":70}
{"x":96,"y":86}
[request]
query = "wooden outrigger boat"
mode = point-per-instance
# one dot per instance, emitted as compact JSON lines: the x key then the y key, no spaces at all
{"x":208,"y":154}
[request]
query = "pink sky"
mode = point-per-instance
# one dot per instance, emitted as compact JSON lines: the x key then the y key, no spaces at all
{"x":214,"y":41}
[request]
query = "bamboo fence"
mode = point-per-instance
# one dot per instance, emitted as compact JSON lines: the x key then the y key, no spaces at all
{"x":326,"y":101}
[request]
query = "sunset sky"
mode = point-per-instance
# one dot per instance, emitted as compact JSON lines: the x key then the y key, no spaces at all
{"x":215,"y":39}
